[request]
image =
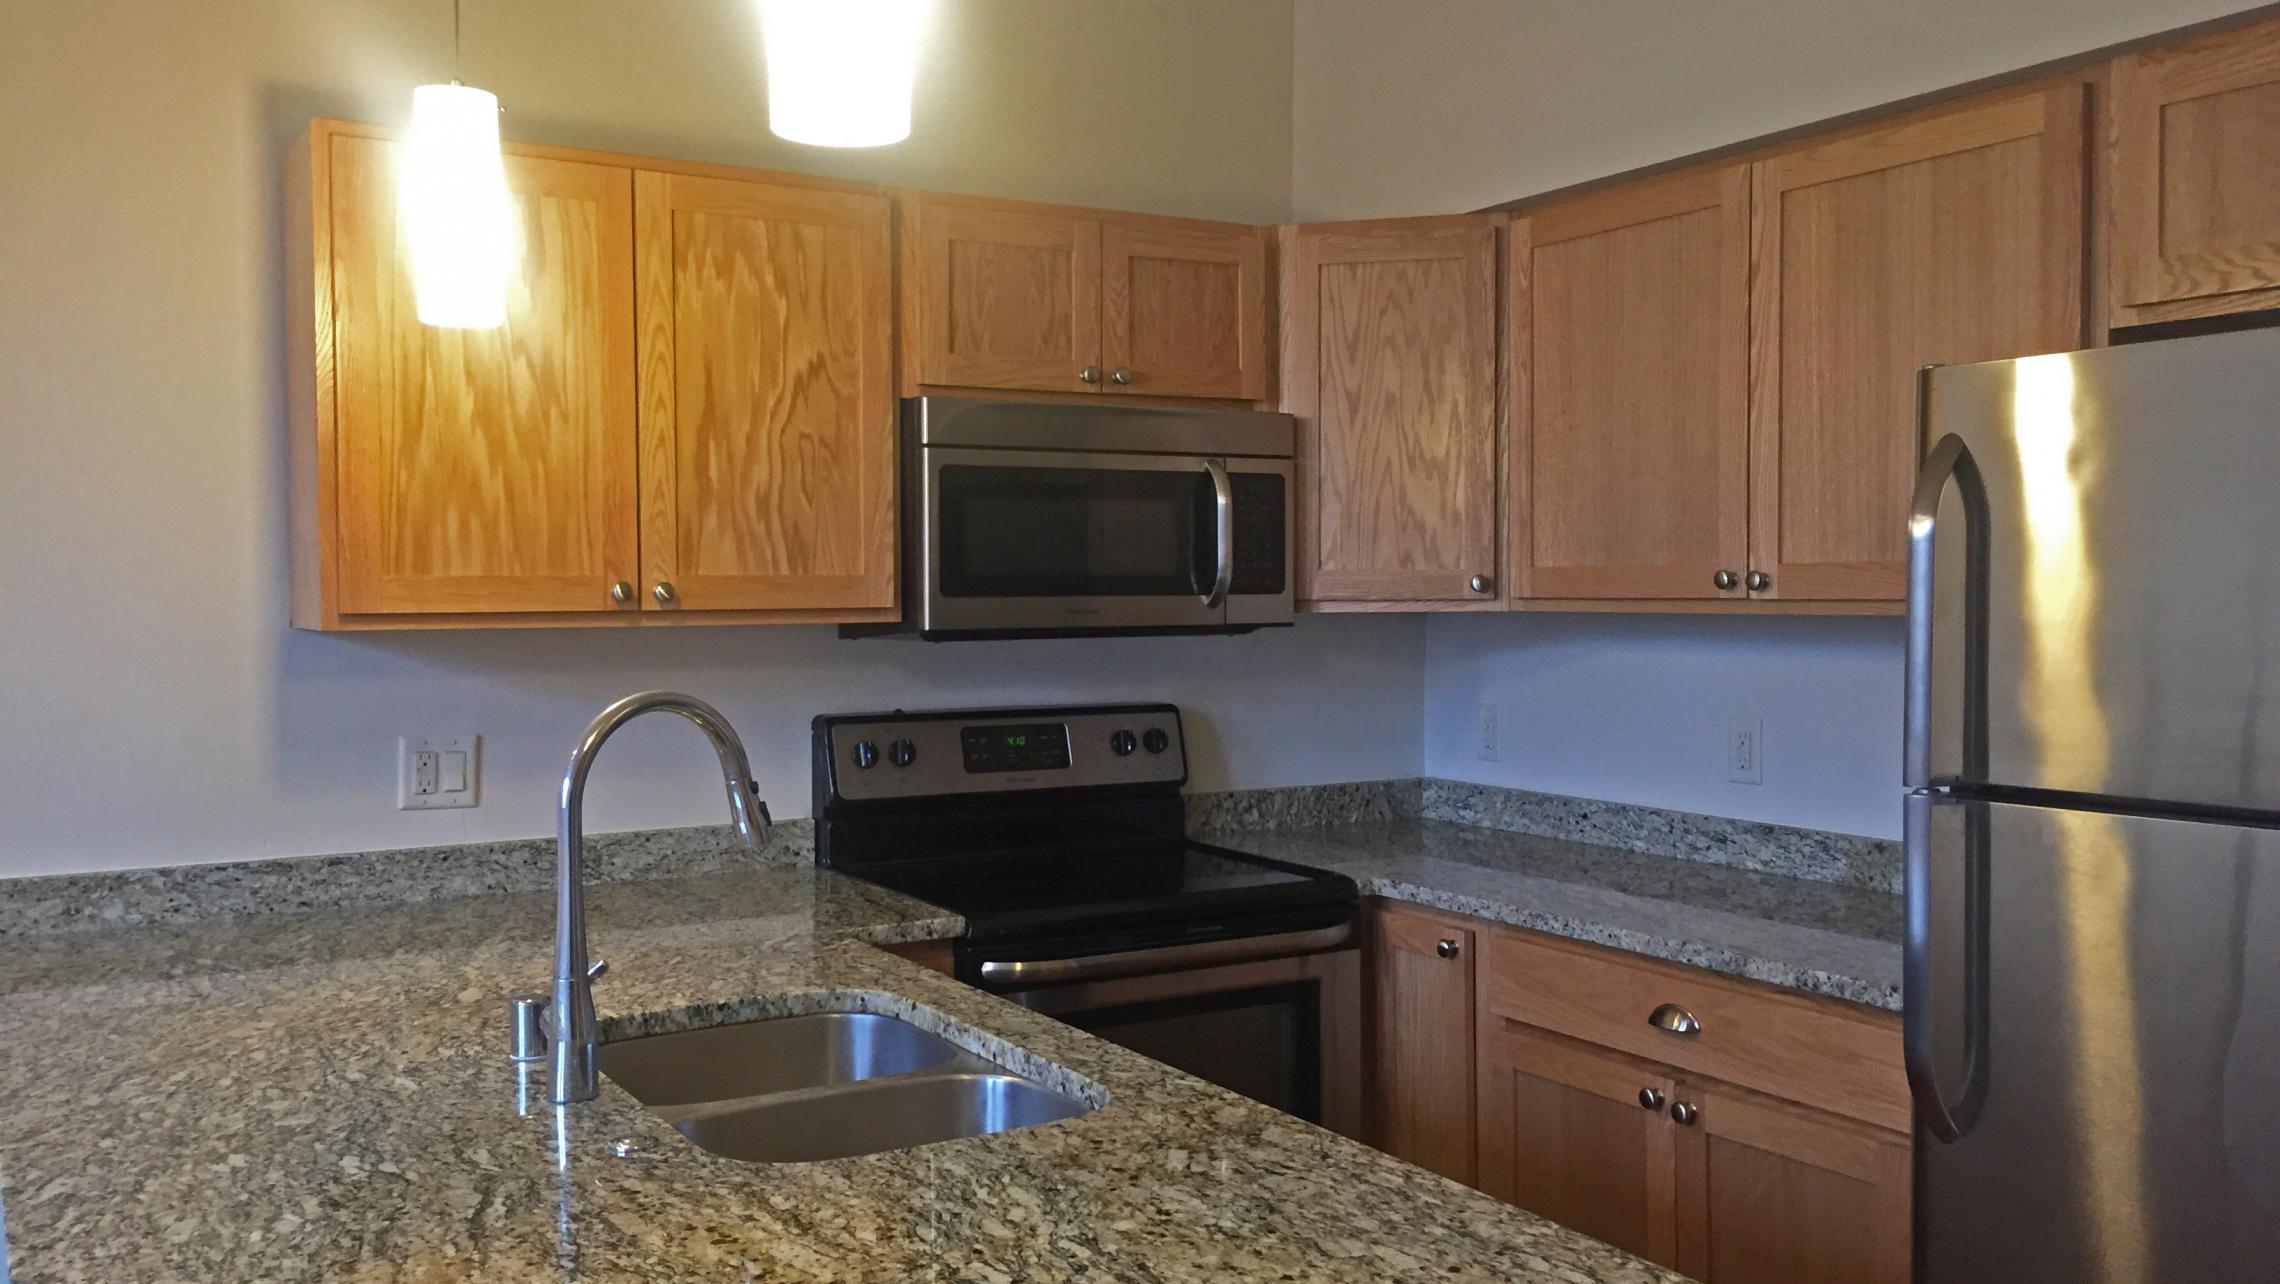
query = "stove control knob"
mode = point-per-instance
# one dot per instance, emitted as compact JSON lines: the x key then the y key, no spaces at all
{"x":1122,"y":743}
{"x":1156,"y":741}
{"x":866,"y":754}
{"x":902,"y":753}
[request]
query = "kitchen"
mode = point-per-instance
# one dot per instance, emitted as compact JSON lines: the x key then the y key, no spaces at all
{"x":1593,"y":339}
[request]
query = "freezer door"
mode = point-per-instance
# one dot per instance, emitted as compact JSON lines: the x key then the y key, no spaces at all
{"x":2129,"y":559}
{"x":2091,"y":1036}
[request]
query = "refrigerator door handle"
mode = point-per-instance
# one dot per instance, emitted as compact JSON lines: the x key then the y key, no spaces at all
{"x":1949,"y":460}
{"x":1944,"y":1119}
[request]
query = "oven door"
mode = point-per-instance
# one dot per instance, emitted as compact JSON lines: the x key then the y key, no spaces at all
{"x":1048,"y":540}
{"x":1285,"y":1031}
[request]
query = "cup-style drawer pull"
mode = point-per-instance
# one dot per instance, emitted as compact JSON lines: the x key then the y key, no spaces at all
{"x":1674,"y":1019}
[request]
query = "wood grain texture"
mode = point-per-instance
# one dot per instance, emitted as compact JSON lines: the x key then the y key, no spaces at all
{"x":1563,"y":1135}
{"x":1821,"y":1052}
{"x":308,"y":379}
{"x":1184,"y":307}
{"x":1389,"y":364}
{"x":1947,"y":237}
{"x":1628,"y":335}
{"x":488,"y":470}
{"x":2195,"y":131}
{"x":1422,"y":1039}
{"x":767,"y":406}
{"x":1001,"y":296}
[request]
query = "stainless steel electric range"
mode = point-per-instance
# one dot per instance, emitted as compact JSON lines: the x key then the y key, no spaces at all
{"x":1059,"y":835}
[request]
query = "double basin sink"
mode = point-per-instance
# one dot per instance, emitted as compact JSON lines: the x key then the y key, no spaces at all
{"x":825,"y":1086}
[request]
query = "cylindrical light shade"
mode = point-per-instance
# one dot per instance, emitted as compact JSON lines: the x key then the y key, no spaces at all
{"x":839,"y":71}
{"x":455,"y":210}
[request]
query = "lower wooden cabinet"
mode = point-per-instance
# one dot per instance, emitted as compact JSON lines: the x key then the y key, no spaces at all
{"x":1421,"y":969}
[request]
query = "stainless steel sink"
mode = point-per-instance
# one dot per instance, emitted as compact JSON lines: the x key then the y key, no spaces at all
{"x":826,"y":1086}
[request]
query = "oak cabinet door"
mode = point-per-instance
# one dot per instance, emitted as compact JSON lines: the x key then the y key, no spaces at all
{"x":767,"y":395}
{"x":482,"y":471}
{"x":1576,"y":1133}
{"x":1629,"y":319}
{"x":1183,"y":308}
{"x":1944,"y":237}
{"x":1423,"y":1057}
{"x":1389,"y":362}
{"x":1776,"y":1193}
{"x":2196,"y":178}
{"x":1003,"y":296}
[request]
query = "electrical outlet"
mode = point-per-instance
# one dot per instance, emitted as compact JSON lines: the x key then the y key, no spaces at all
{"x":437,"y":771}
{"x":1745,"y":751}
{"x":1486,"y":741}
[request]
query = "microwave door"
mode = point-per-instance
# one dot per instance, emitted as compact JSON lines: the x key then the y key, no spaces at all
{"x":1073,"y":540}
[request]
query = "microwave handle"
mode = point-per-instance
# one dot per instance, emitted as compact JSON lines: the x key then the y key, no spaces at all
{"x":1223,"y":509}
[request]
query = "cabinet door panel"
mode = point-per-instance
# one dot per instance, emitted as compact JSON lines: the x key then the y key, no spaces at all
{"x":485,"y":470}
{"x":1423,"y":1050}
{"x":2197,"y":177}
{"x":1942,"y":238}
{"x":1002,"y":297}
{"x":1183,"y":308}
{"x":767,"y":409}
{"x":1630,"y":385}
{"x":1390,"y":363}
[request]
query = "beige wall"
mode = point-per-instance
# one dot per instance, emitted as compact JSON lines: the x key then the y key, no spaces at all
{"x":1430,"y":106}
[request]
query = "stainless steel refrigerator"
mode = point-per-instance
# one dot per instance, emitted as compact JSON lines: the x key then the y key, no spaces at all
{"x":2093,"y":822}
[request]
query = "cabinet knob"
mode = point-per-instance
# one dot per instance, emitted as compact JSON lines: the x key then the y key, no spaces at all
{"x":1480,"y":583}
{"x":1725,"y":580}
{"x":1674,"y":1019}
{"x":1120,"y":376}
{"x":1650,"y":1098}
{"x":1758,"y":582}
{"x":1684,"y":1113}
{"x":621,"y":592}
{"x":1090,"y":374}
{"x":664,"y":593}
{"x":1445,"y":947}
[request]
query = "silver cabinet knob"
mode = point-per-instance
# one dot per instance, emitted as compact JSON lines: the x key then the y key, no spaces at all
{"x":1674,"y":1019}
{"x":1684,"y":1113}
{"x":1121,"y":376}
{"x":664,"y":593}
{"x":621,"y":592}
{"x":1480,"y":583}
{"x":1445,"y":947}
{"x":1090,"y":374}
{"x":1758,"y":582}
{"x":1650,"y":1098}
{"x":1725,"y":580}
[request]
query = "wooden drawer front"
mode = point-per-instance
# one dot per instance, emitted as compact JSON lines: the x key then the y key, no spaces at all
{"x":1807,"y":1050}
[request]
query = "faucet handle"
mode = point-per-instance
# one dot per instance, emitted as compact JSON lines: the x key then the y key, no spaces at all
{"x":595,"y":970}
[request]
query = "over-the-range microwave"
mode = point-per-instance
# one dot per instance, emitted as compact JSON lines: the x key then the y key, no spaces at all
{"x":1029,"y":519}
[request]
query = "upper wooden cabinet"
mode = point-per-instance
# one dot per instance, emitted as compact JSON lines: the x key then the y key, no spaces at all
{"x":2195,"y":132}
{"x":1947,"y":236}
{"x":1389,"y":363}
{"x":1629,"y":336}
{"x":767,"y":395}
{"x":999,"y":294}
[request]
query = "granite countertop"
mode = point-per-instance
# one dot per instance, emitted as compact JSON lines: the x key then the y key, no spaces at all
{"x":1822,"y":938}
{"x":324,"y":1096}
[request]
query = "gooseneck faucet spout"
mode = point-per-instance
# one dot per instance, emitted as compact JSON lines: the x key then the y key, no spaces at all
{"x":574,"y":975}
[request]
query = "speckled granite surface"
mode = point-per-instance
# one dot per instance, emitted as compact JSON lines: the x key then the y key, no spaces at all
{"x":322,"y":1096}
{"x":1303,"y":805}
{"x":1822,"y":938}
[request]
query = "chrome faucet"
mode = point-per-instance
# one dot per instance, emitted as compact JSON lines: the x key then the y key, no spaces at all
{"x":572,"y":1032}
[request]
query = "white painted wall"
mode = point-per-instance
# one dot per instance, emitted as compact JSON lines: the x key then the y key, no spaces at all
{"x":1636,"y":710}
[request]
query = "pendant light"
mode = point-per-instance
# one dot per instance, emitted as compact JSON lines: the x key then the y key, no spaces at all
{"x":453,"y":192}
{"x":839,"y":71}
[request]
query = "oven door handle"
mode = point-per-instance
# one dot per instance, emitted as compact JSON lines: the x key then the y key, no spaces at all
{"x":1223,"y":508}
{"x":1093,"y":967}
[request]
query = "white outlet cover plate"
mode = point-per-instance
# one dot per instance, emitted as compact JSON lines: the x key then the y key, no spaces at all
{"x":1745,"y":751}
{"x":465,"y":771}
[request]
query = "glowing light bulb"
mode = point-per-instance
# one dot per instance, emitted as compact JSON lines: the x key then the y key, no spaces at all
{"x":839,"y":71}
{"x":454,"y":204}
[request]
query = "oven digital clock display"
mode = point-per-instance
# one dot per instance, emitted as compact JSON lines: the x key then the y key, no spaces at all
{"x":1042,"y":746}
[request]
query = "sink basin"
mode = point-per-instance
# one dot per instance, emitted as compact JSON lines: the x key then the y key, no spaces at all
{"x":825,"y":1086}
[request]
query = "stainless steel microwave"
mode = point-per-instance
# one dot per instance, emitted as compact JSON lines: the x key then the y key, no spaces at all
{"x":1024,"y":519}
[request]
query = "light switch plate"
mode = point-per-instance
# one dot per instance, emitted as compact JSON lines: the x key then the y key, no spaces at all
{"x":434,"y":772}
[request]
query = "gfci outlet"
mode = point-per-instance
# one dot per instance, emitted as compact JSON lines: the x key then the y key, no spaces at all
{"x":1486,"y":741}
{"x":1745,"y":751}
{"x":437,"y":771}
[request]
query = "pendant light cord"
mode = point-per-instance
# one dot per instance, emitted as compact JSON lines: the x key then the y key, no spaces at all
{"x":455,"y":41}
